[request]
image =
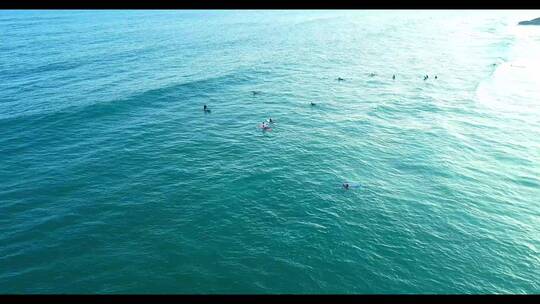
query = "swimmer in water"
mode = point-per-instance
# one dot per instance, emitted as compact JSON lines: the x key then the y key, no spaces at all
{"x":435,"y":76}
{"x":311,"y":103}
{"x":394,"y":76}
{"x":346,"y":186}
{"x":205,"y":108}
{"x":265,"y":127}
{"x":270,"y":120}
{"x":340,"y":79}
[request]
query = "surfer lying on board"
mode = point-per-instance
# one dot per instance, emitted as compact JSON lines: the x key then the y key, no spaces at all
{"x":349,"y":185}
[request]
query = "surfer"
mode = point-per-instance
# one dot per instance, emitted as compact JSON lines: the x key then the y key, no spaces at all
{"x":265,"y":127}
{"x":340,"y":79}
{"x":205,"y":109}
{"x":311,"y":103}
{"x":270,"y":120}
{"x":346,"y":186}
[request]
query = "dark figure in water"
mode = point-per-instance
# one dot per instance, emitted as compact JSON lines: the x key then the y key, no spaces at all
{"x":205,"y":109}
{"x":346,"y":186}
{"x":255,"y":92}
{"x":426,"y":77}
{"x":372,"y":75}
{"x":394,"y":76}
{"x":311,"y":103}
{"x":340,"y":79}
{"x":435,"y":76}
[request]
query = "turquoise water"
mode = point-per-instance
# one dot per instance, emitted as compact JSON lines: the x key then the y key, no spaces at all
{"x":113,"y":179}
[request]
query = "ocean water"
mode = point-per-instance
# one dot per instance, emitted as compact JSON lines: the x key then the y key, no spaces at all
{"x":113,"y":179}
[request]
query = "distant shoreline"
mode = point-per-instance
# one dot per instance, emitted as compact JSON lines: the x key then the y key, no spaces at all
{"x":530,"y":22}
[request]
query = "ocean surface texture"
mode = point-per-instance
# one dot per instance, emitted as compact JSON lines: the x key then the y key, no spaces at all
{"x":114,"y":180}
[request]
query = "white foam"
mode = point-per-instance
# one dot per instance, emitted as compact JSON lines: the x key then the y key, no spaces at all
{"x":515,"y":84}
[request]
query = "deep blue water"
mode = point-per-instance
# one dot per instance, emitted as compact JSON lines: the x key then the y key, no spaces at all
{"x":113,"y":179}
